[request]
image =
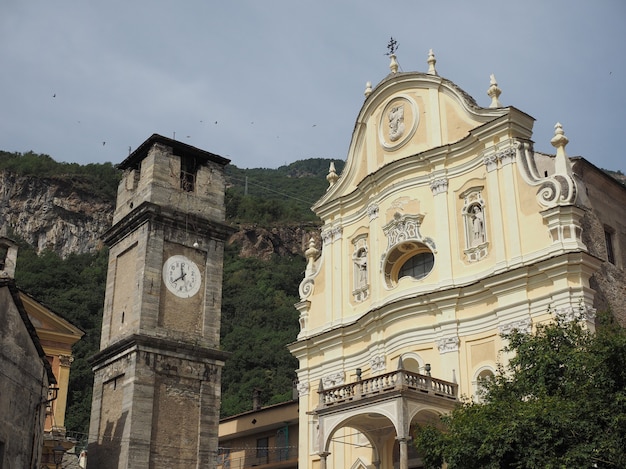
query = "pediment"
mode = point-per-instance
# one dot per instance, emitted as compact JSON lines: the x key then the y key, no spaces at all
{"x":412,"y":116}
{"x":48,"y":324}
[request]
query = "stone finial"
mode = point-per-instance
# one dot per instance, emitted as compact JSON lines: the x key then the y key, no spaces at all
{"x":494,"y":92}
{"x":431,"y":63}
{"x":332,"y":177}
{"x":393,"y":65}
{"x":368,"y":89}
{"x":561,"y":162}
{"x":310,"y":254}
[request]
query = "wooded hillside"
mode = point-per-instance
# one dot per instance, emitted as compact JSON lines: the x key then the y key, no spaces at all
{"x":259,"y":291}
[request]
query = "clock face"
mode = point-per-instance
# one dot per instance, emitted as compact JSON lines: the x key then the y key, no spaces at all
{"x":182,"y":276}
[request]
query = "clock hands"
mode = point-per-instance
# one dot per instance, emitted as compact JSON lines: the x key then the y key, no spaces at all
{"x":182,"y":276}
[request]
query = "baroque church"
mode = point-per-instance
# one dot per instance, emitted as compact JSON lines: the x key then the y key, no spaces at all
{"x":445,"y":229}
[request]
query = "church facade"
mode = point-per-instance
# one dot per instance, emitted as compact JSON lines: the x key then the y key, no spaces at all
{"x":444,"y":230}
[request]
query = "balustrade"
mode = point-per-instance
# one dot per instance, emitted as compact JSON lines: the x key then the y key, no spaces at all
{"x":387,"y":382}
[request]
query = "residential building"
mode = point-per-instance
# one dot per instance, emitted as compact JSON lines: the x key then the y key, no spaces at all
{"x":53,"y":336}
{"x":264,"y":437}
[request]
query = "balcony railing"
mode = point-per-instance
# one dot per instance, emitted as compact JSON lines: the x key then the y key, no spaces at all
{"x":266,"y":458}
{"x":399,"y":380}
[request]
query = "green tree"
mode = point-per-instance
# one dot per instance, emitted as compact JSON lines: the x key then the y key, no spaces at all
{"x":559,"y":403}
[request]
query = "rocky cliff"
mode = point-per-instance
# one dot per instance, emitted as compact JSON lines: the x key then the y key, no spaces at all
{"x":56,"y":214}
{"x":52,"y":213}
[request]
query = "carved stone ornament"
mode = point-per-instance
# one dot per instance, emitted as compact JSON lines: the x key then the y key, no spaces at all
{"x":332,"y":234}
{"x":66,"y":360}
{"x":523,"y":326}
{"x":372,"y":211}
{"x":581,"y":312}
{"x":378,"y":363}
{"x":334,"y":379}
{"x":406,"y":228}
{"x":303,"y":389}
{"x":558,"y":189}
{"x":448,"y":344}
{"x":398,"y":122}
{"x":439,"y":186}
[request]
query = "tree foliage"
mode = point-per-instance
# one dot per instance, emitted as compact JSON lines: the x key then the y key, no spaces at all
{"x":283,"y":195}
{"x":74,"y":289}
{"x":559,"y":403}
{"x":258,"y":321}
{"x":99,"y":180}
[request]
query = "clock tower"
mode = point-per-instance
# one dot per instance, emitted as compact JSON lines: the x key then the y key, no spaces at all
{"x":156,"y":394}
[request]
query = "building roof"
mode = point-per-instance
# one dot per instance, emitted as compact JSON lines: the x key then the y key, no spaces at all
{"x":179,"y":148}
{"x":17,"y":299}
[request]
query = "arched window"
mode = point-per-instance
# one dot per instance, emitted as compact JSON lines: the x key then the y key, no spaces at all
{"x":483,"y":375}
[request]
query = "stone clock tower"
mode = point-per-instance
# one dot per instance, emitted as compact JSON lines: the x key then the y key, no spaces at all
{"x":157,"y":376}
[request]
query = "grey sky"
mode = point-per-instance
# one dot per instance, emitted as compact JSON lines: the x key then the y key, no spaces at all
{"x":268,"y":82}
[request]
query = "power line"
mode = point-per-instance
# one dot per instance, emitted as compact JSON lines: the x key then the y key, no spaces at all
{"x":284,"y":194}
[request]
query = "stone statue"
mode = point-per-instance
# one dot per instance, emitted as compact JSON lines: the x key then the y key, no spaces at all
{"x":478,"y":225}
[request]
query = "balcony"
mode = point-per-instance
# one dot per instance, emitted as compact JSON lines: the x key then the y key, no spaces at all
{"x":412,"y":385}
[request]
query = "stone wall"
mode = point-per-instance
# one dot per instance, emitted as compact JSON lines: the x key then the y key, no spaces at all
{"x":605,"y":201}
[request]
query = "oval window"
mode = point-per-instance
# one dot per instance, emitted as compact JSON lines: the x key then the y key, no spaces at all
{"x":417,"y":266}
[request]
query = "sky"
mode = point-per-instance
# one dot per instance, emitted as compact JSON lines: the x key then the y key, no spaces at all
{"x":265,"y":83}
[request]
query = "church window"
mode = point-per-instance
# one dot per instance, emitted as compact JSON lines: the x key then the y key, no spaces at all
{"x":408,"y":260}
{"x":418,"y":266}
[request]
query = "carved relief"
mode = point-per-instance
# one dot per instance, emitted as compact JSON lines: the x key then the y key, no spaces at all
{"x":303,"y":389}
{"x":406,"y":228}
{"x":398,"y":122}
{"x":372,"y":211}
{"x":66,"y":360}
{"x":332,"y":234}
{"x":378,"y":363}
{"x":523,"y":326}
{"x":334,"y":379}
{"x":448,"y":344}
{"x":439,"y":186}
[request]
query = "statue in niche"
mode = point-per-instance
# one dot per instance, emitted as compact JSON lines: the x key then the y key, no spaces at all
{"x":360,"y":264}
{"x":478,"y":225}
{"x":396,"y":122}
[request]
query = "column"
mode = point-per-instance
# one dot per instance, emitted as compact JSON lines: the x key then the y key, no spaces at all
{"x":323,"y":457}
{"x":404,"y":453}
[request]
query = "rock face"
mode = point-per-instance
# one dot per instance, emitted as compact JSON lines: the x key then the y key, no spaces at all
{"x":51,"y":213}
{"x":265,"y":242}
